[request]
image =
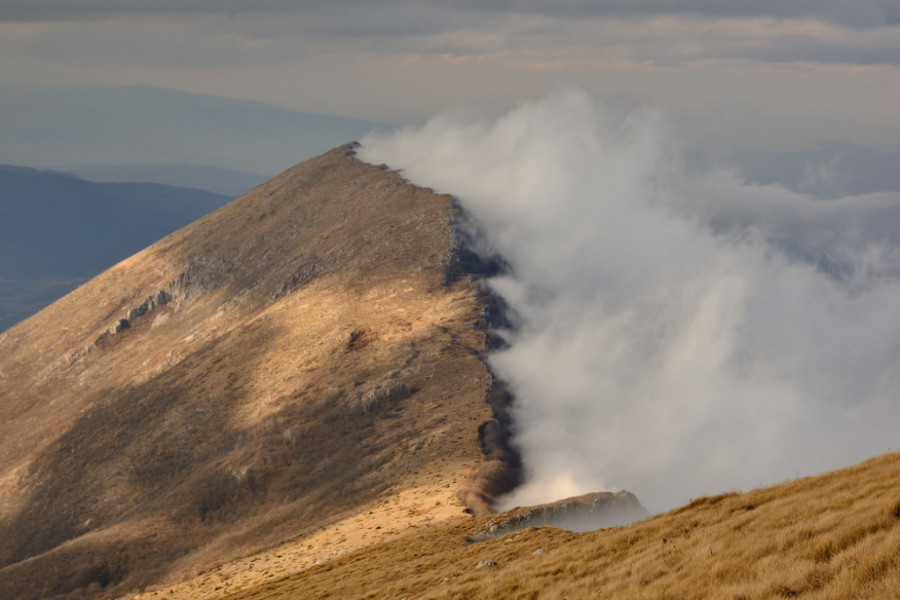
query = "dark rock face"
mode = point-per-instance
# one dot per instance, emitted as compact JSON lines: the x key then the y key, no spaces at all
{"x":580,"y":513}
{"x":501,"y":470}
{"x":472,"y":255}
{"x":160,"y":299}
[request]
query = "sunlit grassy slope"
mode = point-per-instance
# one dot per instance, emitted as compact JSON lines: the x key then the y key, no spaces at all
{"x":832,"y":536}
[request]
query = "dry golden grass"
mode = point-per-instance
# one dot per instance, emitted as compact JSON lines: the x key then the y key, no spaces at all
{"x":834,"y":536}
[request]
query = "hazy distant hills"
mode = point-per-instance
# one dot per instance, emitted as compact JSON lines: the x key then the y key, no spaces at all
{"x":830,"y":172}
{"x":57,"y":230}
{"x":214,"y":179}
{"x":73,"y":128}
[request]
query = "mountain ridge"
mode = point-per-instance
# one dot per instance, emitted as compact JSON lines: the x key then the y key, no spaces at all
{"x":312,"y":358}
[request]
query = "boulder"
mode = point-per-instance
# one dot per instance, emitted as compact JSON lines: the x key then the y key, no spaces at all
{"x":580,"y":513}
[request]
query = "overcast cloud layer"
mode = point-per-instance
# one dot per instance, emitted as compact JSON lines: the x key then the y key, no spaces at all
{"x":736,"y":76}
{"x":682,"y":333}
{"x":872,"y":13}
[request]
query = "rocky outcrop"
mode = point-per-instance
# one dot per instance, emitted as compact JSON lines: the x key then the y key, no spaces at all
{"x":580,"y":513}
{"x":471,"y":254}
{"x":161,"y":298}
{"x":151,"y":303}
{"x":188,"y":284}
{"x":501,"y":468}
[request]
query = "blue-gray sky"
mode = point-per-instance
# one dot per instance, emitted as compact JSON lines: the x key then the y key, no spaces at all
{"x":737,"y":75}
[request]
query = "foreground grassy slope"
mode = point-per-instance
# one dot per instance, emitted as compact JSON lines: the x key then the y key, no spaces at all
{"x":834,"y":536}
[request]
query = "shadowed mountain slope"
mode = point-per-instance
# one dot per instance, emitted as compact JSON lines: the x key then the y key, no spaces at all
{"x":309,"y":354}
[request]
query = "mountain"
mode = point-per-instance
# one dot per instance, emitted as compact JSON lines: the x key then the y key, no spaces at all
{"x":228,"y":182}
{"x":57,"y":230}
{"x":829,"y":172}
{"x":74,"y":128}
{"x":308,"y":358}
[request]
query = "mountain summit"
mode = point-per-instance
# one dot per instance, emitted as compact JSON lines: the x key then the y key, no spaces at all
{"x":309,"y":354}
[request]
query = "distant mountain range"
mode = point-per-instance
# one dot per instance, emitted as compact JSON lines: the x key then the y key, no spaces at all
{"x":229,"y":182}
{"x":57,"y":231}
{"x":826,"y":173}
{"x":161,"y":131}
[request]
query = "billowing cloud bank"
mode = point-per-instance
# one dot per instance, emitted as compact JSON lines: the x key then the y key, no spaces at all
{"x":681,"y":333}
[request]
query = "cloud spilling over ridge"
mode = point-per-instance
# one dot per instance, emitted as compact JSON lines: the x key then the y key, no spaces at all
{"x":682,"y":333}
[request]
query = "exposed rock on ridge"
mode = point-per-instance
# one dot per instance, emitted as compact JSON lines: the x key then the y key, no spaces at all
{"x":580,"y":513}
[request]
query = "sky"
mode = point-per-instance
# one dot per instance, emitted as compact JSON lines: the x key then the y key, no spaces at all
{"x":735,"y":75}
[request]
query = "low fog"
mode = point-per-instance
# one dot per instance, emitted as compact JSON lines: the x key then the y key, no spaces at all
{"x":681,"y":332}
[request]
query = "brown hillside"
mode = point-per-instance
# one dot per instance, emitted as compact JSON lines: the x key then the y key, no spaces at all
{"x":835,"y":536}
{"x":305,"y":359}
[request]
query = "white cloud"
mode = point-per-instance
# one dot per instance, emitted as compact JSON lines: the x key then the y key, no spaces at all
{"x":672,"y":345}
{"x":858,"y":13}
